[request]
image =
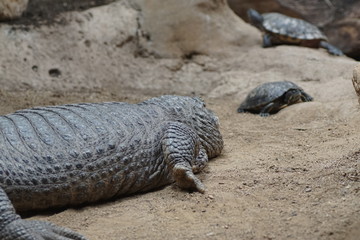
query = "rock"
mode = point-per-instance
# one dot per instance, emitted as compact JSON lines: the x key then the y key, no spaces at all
{"x":240,"y":7}
{"x":346,"y":35}
{"x":106,"y":30}
{"x":356,"y":80}
{"x":339,"y":20}
{"x":191,"y":27}
{"x":11,"y":9}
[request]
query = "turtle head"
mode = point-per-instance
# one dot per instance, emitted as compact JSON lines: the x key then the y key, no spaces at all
{"x":255,"y":18}
{"x":293,"y":96}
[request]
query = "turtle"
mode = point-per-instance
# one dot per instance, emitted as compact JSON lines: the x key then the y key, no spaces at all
{"x":280,"y":29}
{"x":271,"y":97}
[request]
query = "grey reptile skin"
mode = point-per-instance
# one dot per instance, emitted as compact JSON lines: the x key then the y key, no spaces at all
{"x":81,"y":153}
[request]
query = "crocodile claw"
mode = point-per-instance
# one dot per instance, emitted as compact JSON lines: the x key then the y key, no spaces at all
{"x":186,"y":179}
{"x":37,"y":230}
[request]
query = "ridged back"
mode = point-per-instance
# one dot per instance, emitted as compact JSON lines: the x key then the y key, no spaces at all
{"x":70,"y":153}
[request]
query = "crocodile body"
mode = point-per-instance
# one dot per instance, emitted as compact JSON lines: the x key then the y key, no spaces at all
{"x":81,"y":153}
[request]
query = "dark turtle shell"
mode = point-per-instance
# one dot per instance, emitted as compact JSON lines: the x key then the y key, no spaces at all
{"x":288,"y":28}
{"x":266,"y":93}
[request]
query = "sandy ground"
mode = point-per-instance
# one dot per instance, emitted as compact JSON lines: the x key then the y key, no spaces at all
{"x":294,"y":175}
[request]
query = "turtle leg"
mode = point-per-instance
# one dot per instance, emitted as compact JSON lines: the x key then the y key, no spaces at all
{"x":273,"y":106}
{"x":267,"y":41}
{"x":331,"y":49}
{"x":265,"y":111}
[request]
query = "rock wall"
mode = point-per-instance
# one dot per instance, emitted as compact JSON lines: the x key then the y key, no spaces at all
{"x":100,"y":47}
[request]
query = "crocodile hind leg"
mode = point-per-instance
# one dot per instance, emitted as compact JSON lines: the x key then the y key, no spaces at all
{"x":12,"y":227}
{"x":182,"y":153}
{"x":200,"y":161}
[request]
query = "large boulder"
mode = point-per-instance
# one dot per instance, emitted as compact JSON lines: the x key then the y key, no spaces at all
{"x":172,"y":28}
{"x":340,"y":20}
{"x":10,"y":9}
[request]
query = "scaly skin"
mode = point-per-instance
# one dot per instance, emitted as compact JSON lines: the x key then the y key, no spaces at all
{"x":81,"y":153}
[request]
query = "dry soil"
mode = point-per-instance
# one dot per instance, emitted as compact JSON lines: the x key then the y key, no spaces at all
{"x":293,"y":175}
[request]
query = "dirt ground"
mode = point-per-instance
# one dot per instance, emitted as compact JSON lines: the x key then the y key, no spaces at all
{"x":293,"y":175}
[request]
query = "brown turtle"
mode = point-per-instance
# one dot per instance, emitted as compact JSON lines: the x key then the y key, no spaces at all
{"x":280,"y":29}
{"x":271,"y":97}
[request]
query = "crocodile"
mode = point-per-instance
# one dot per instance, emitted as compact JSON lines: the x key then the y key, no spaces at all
{"x":75,"y":154}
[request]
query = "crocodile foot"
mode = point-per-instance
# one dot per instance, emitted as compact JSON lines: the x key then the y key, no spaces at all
{"x":37,"y":230}
{"x":186,"y":179}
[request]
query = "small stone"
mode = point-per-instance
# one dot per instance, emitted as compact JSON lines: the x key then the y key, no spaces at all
{"x":54,"y":72}
{"x":356,"y":80}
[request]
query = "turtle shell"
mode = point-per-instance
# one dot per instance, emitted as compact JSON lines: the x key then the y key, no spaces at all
{"x":287,"y":28}
{"x":266,"y":93}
